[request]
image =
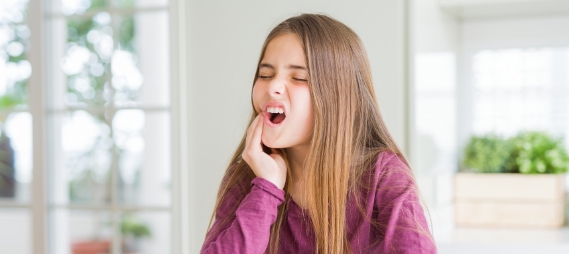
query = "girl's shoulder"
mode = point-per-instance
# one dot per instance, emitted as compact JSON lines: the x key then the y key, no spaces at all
{"x":391,"y":170}
{"x":388,"y":173}
{"x":388,"y":156}
{"x":390,"y":161}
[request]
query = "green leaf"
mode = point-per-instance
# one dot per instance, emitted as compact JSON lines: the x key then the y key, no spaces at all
{"x":537,"y":152}
{"x":486,"y":154}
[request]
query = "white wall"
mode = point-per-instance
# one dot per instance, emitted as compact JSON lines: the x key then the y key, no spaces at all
{"x":434,"y":35}
{"x":435,"y":30}
{"x":224,"y":41}
{"x":434,"y":48}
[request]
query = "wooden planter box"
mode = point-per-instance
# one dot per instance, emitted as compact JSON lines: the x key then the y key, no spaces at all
{"x":511,"y":200}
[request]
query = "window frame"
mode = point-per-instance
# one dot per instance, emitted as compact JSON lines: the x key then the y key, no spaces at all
{"x":38,"y":92}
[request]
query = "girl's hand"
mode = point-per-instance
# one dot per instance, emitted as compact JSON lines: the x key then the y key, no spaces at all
{"x":271,"y":167}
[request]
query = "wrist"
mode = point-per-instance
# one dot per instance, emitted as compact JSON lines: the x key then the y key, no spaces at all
{"x":276,"y":182}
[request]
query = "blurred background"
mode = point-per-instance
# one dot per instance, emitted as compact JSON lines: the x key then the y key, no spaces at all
{"x":118,"y":117}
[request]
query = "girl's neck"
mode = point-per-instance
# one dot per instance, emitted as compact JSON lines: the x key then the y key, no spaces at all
{"x":296,"y":156}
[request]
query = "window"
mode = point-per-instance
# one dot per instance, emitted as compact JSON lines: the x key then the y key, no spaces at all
{"x":103,"y":93}
{"x":15,"y":129}
{"x":516,"y":89}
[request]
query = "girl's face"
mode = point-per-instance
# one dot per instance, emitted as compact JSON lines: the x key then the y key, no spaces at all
{"x":282,"y":94}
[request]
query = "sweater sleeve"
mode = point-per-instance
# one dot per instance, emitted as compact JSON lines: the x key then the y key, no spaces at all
{"x":249,"y":230}
{"x":400,"y":216}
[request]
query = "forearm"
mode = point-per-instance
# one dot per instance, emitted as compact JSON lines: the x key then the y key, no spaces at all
{"x":249,"y":232}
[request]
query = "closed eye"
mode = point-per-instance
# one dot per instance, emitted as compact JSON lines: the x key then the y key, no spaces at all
{"x":300,"y":79}
{"x":264,"y":77}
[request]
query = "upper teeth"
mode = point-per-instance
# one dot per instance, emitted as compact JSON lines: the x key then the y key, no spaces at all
{"x":275,"y":110}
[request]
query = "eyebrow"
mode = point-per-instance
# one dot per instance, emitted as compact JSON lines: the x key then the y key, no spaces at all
{"x":290,"y":66}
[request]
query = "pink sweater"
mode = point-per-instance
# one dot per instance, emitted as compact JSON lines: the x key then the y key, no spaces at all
{"x":391,"y":202}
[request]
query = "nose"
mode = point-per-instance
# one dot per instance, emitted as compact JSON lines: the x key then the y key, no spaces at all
{"x":276,"y":86}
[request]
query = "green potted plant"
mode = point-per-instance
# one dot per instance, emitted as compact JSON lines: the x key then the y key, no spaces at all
{"x":512,"y":182}
{"x":537,"y":153}
{"x":133,"y":231}
{"x":91,"y":247}
{"x":486,"y":154}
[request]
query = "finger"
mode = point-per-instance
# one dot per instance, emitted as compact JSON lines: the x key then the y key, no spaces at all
{"x":253,"y":124}
{"x":256,"y":135}
{"x":251,"y":128}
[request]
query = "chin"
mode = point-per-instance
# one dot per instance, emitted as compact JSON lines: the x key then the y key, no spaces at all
{"x":271,"y":142}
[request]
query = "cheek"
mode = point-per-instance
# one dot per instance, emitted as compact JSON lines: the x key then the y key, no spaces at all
{"x":304,"y":101}
{"x":303,"y":95}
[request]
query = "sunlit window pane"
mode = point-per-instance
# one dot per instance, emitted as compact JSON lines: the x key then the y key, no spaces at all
{"x":146,"y":232}
{"x":140,"y":3}
{"x":80,"y":231}
{"x":88,"y":52}
{"x":521,"y":89}
{"x":15,"y":230}
{"x":76,"y":7}
{"x":16,"y":156}
{"x":143,"y":146}
{"x":140,"y":65}
{"x":81,"y":158}
{"x":15,"y":70}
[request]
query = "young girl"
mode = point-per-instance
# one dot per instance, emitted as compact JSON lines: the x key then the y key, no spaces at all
{"x":317,"y":170}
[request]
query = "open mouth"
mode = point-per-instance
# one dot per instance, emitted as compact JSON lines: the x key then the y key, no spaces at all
{"x":277,"y":118}
{"x":275,"y":115}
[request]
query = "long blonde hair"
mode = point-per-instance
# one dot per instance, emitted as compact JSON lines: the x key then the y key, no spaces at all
{"x":349,"y":132}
